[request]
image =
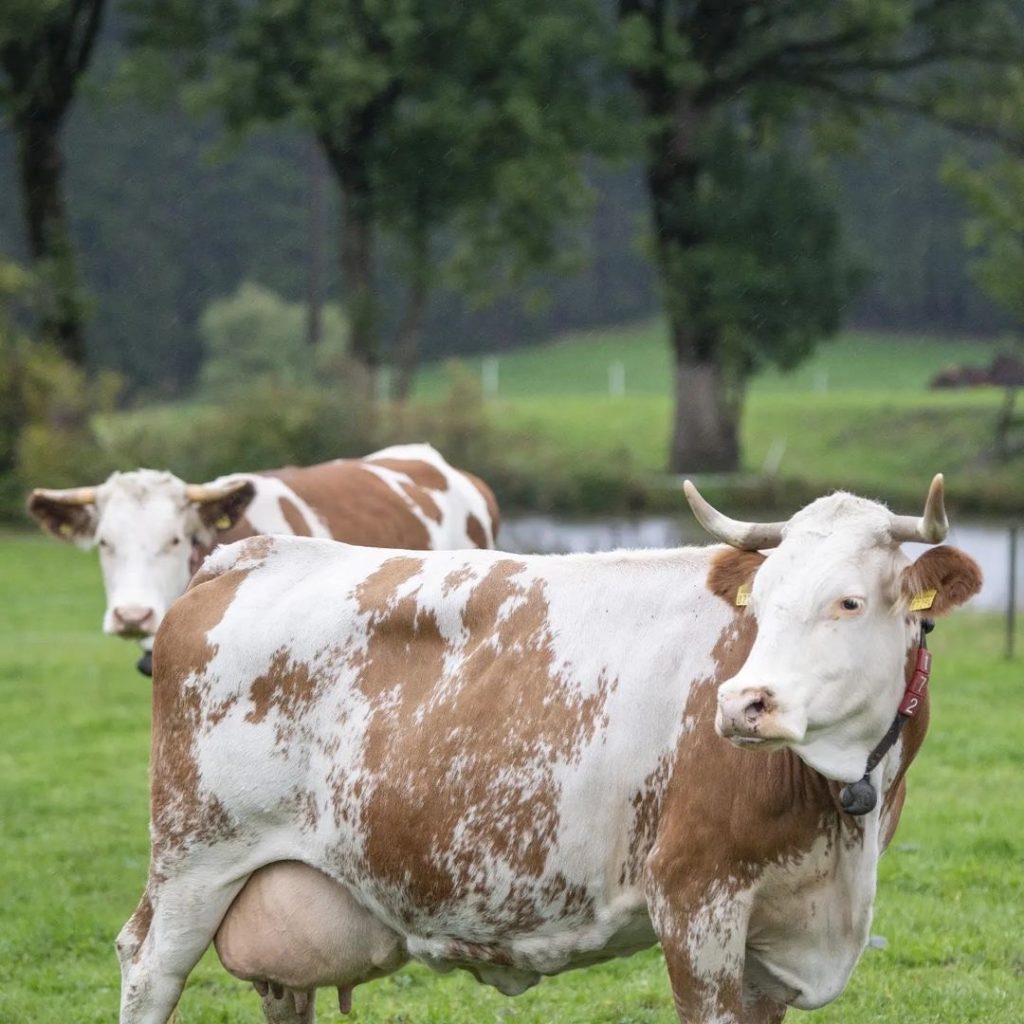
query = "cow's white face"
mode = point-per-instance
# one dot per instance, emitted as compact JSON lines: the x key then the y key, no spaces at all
{"x":148,"y":527}
{"x":827,"y":668}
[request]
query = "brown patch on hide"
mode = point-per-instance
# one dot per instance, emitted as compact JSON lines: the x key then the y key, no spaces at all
{"x":646,"y":805}
{"x":181,"y":813}
{"x":472,"y":747}
{"x":287,"y":687}
{"x":455,"y":579}
{"x":730,"y":570}
{"x":954,"y":576}
{"x":476,"y":532}
{"x":138,"y":925}
{"x":423,"y":474}
{"x":489,"y":500}
{"x":423,"y":501}
{"x":294,"y":518}
{"x":356,"y":505}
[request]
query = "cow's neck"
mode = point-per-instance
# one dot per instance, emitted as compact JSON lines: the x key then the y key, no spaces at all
{"x":784,"y":804}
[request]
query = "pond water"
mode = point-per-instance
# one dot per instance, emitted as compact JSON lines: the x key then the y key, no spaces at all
{"x":987,"y":543}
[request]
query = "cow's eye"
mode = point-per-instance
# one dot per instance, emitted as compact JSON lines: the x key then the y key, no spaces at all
{"x":851,"y":604}
{"x":175,"y":541}
{"x":105,"y":544}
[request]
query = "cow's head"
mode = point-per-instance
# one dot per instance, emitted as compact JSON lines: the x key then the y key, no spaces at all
{"x":833,"y":603}
{"x":149,"y":527}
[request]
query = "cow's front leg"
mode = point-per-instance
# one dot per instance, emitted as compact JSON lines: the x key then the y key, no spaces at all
{"x":703,"y":931}
{"x":163,"y":940}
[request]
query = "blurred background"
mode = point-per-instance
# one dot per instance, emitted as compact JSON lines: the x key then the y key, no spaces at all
{"x":583,"y":248}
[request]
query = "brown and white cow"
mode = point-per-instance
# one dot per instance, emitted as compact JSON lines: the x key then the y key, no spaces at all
{"x":511,"y":764}
{"x":153,"y":530}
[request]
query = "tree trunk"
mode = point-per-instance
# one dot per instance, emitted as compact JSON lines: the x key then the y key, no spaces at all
{"x":407,"y":346}
{"x":357,"y":269}
{"x":314,"y":293}
{"x":704,"y":429}
{"x":41,"y":170}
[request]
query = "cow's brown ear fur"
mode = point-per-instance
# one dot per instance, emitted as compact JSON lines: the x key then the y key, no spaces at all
{"x":730,"y":569}
{"x":223,"y":511}
{"x":70,"y":521}
{"x":954,"y":576}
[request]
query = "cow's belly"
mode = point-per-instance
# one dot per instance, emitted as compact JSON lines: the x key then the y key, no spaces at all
{"x":518,"y":961}
{"x":293,"y":925}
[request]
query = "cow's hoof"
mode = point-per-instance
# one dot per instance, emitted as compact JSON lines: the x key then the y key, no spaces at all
{"x":145,"y":663}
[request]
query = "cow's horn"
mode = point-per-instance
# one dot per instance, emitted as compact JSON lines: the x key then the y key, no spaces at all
{"x":933,"y":526}
{"x":747,"y":536}
{"x":68,"y":496}
{"x":203,"y":493}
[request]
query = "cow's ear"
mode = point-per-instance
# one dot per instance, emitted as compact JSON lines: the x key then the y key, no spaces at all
{"x":220,"y":506}
{"x":942,"y":579}
{"x":732,"y":574}
{"x":69,"y":515}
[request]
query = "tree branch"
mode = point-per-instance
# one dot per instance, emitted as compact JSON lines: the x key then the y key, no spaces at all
{"x":906,"y":105}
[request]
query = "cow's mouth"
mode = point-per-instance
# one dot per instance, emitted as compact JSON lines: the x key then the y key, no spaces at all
{"x":762,"y":742}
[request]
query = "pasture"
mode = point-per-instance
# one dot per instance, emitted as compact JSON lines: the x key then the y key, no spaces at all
{"x":857,"y":414}
{"x":73,"y":844}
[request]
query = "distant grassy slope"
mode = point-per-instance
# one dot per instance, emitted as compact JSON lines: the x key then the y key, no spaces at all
{"x":577,"y":364}
{"x":857,"y":415}
{"x":73,"y":846}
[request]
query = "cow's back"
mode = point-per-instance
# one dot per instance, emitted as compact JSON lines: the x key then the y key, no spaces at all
{"x":404,"y":497}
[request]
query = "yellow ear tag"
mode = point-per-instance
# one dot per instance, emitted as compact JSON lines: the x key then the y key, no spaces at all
{"x":223,"y":523}
{"x":65,"y":529}
{"x":743,"y":595}
{"x":923,"y":601}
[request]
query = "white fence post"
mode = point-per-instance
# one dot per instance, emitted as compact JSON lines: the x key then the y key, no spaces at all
{"x":489,"y":376}
{"x":617,"y":378}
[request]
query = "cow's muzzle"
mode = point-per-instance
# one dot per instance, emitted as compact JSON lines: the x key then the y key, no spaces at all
{"x":751,"y":717}
{"x":134,"y":621}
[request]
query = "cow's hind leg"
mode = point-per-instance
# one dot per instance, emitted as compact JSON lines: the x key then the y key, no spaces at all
{"x":163,"y":940}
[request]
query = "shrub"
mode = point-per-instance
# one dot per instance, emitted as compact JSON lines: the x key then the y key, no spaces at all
{"x":255,"y":337}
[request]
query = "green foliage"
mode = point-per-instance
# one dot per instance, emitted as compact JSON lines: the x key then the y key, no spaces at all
{"x":766,"y":274}
{"x":996,"y":195}
{"x":436,"y":119}
{"x":74,"y":844}
{"x":255,"y":337}
{"x":46,"y":403}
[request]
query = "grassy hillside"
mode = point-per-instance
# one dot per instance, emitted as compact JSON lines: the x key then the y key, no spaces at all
{"x":577,"y":364}
{"x":857,"y":415}
{"x":73,"y":844}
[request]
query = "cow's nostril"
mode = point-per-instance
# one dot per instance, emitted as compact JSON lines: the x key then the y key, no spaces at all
{"x":754,"y":710}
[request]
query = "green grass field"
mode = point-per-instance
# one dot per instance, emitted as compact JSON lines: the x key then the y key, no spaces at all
{"x":577,"y":364}
{"x":73,"y":844}
{"x":856,"y":415}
